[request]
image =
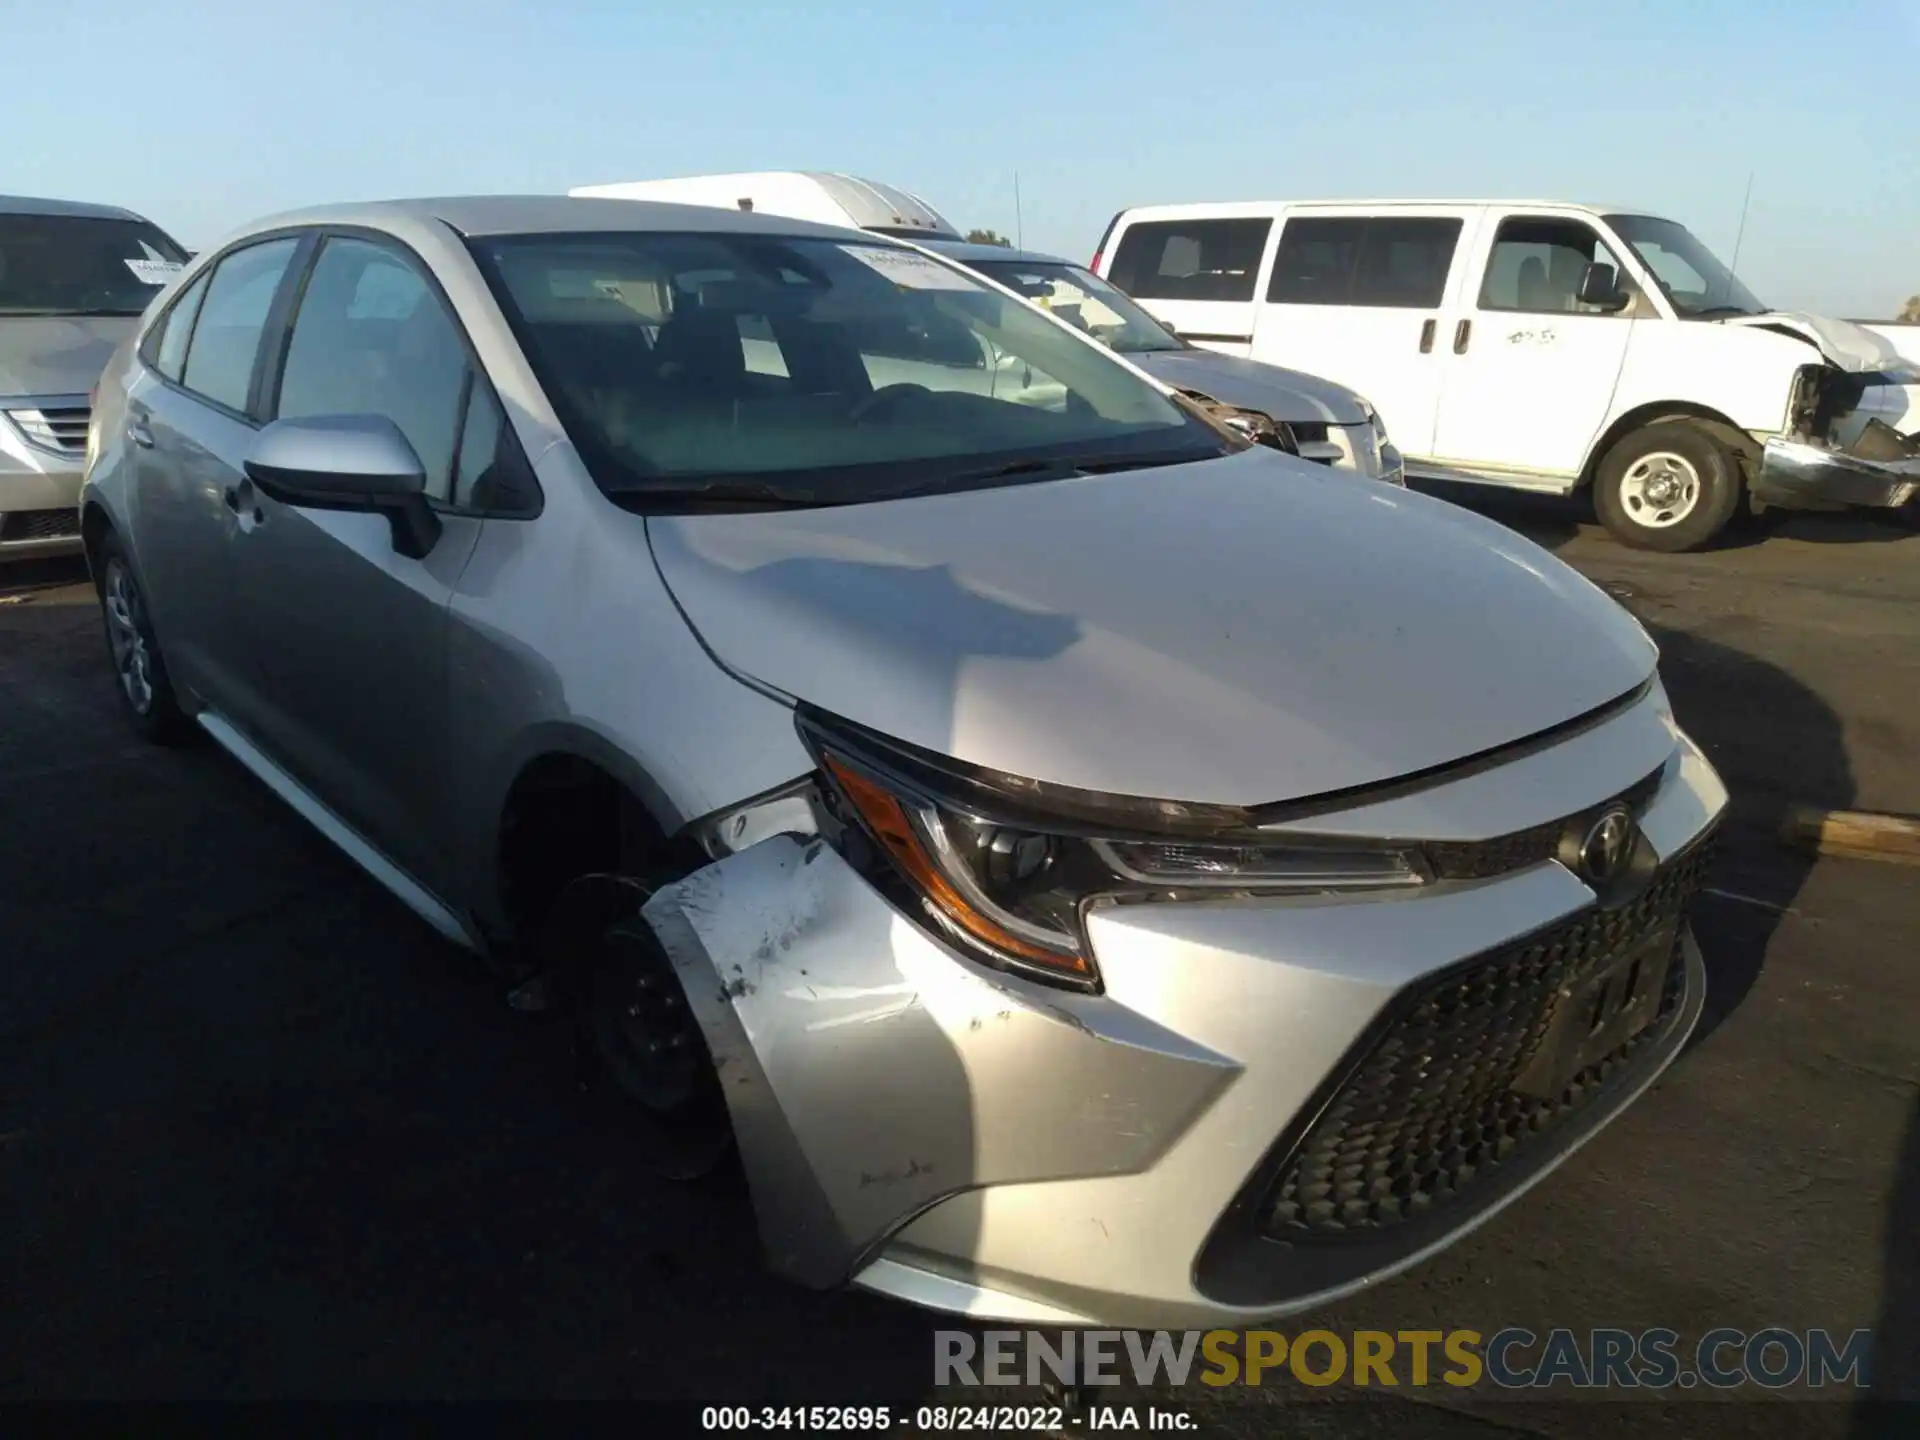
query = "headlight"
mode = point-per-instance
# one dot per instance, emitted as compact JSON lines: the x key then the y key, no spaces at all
{"x":978,"y":857}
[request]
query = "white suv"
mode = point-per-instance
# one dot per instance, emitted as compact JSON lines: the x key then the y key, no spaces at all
{"x":1545,"y":345}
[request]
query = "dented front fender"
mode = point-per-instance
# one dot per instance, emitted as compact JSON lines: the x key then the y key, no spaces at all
{"x":870,"y":1071}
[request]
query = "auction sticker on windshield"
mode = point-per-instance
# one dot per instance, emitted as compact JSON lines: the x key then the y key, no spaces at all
{"x":908,"y":270}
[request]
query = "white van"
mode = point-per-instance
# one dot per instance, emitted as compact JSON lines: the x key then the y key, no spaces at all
{"x":1544,"y":345}
{"x":818,"y":195}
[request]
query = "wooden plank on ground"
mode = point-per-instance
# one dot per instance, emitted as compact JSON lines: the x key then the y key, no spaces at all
{"x":1859,"y":834}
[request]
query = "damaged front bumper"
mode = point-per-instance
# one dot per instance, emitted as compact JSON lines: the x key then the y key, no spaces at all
{"x":1796,"y":474}
{"x":977,"y":1142}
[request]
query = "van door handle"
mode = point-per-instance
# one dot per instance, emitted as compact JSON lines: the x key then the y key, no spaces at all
{"x":1426,"y":338}
{"x":138,"y":432}
{"x":1461,"y":332}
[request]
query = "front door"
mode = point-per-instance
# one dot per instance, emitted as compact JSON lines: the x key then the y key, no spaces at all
{"x":1533,"y":384}
{"x":1357,"y":298}
{"x":349,"y":636}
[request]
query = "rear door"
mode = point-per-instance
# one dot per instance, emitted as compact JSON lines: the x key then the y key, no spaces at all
{"x":191,"y":418}
{"x":1198,"y":274}
{"x":1358,"y":297}
{"x":1532,"y":383}
{"x":348,"y":637}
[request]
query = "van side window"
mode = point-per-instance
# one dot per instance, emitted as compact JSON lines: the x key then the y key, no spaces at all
{"x":1191,"y":259}
{"x":1536,"y":264}
{"x":1394,"y":262}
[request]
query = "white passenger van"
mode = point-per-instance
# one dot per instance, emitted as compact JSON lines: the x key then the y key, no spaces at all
{"x":1544,"y":345}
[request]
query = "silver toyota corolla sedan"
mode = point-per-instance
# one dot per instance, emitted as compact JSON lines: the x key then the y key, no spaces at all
{"x":1095,"y":870}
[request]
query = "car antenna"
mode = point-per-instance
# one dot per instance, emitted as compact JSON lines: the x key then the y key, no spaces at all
{"x":1733,"y":270}
{"x":1019,"y":231}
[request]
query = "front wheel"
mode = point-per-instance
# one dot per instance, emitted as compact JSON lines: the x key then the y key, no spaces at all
{"x":1669,"y":487}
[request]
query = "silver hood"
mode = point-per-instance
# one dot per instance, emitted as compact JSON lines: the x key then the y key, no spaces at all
{"x":1237,"y":631}
{"x":1843,"y":343}
{"x":57,"y":354}
{"x":1284,"y":394}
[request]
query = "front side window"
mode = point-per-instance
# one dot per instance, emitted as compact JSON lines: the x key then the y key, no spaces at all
{"x":372,"y":338}
{"x":786,"y":366}
{"x":1190,"y":259}
{"x":1693,"y":277}
{"x":1085,"y":301}
{"x":82,"y":265}
{"x":226,"y":336}
{"x":1398,"y":262}
{"x":1536,"y":265}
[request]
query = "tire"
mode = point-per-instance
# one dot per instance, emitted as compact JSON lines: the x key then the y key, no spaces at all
{"x":1668,"y":487}
{"x":146,"y":691}
{"x":635,"y":1028}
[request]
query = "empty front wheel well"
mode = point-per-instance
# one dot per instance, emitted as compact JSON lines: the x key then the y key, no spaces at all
{"x":94,"y":528}
{"x":565,"y":817}
{"x":1742,"y":445}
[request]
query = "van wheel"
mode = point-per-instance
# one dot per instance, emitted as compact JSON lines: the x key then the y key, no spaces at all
{"x":1669,"y":487}
{"x":139,"y":669}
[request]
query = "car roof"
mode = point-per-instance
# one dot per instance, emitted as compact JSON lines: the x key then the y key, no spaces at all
{"x":81,"y":209}
{"x":1364,"y":203}
{"x":968,"y":253}
{"x":484,"y":215}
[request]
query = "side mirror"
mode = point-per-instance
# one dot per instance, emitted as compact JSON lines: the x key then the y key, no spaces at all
{"x":1600,"y":287}
{"x":359,"y":463}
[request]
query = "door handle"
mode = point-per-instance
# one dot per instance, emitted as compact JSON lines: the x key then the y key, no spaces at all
{"x":1461,"y":333}
{"x":138,"y":432}
{"x":1426,"y":338}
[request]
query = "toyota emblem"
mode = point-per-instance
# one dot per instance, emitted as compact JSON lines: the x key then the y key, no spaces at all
{"x":1608,"y":846}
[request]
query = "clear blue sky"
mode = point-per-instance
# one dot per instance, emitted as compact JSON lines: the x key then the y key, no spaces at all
{"x":204,"y":115}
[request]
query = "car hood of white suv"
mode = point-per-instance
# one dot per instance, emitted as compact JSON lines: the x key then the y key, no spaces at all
{"x":1844,"y":344}
{"x":1234,"y":631}
{"x":1283,"y":394}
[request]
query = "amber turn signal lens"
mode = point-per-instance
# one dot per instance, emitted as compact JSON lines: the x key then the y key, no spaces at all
{"x":889,"y":824}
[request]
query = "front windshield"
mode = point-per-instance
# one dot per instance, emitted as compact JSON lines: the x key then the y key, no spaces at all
{"x":1083,"y":299}
{"x":1692,"y":276}
{"x":82,"y":265}
{"x":814,"y":371}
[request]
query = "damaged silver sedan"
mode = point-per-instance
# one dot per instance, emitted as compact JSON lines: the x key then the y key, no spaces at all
{"x":1092,"y":868}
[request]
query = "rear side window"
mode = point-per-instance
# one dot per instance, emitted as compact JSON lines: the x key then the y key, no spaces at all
{"x":372,"y":338}
{"x":1397,"y":262}
{"x":1191,"y":259}
{"x":226,"y":338}
{"x":169,"y":348}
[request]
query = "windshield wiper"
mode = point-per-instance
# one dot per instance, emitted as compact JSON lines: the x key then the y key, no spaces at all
{"x":1712,"y":310}
{"x":38,"y":313}
{"x":1015,"y":472}
{"x":722,"y":490}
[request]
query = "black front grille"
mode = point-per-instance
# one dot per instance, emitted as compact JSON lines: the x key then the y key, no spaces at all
{"x":1436,"y":1106}
{"x":39,"y":525}
{"x":1481,"y":859}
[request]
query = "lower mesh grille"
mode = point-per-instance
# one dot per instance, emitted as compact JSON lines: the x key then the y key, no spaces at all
{"x":39,"y":525}
{"x":1437,"y":1105}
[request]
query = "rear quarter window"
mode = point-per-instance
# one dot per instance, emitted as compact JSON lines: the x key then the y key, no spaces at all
{"x":1190,"y":259}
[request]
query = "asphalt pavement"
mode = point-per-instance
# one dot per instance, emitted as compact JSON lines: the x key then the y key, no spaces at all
{"x":263,"y":1135}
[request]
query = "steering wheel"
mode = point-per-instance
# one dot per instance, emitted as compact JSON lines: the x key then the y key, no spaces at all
{"x":885,"y":398}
